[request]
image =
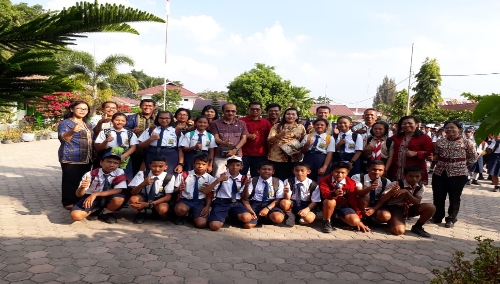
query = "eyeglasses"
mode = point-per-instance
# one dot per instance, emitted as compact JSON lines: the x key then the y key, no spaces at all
{"x":230,"y":110}
{"x":82,"y":109}
{"x":255,"y":109}
{"x":164,"y":118}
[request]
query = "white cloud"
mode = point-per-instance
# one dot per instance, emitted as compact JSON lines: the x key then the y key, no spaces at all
{"x":301,"y":38}
{"x":236,"y":39}
{"x":201,"y":28}
{"x":209,"y":50}
{"x":384,"y":17}
{"x":274,"y":43}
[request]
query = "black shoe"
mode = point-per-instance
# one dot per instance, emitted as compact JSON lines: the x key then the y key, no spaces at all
{"x":420,"y":231}
{"x":474,"y":182}
{"x":489,"y":177}
{"x":480,"y":177}
{"x":180,"y":220}
{"x":140,"y":217}
{"x":468,"y":182}
{"x":290,"y":221}
{"x":430,"y":172}
{"x":327,"y":226}
{"x":108,"y":218}
{"x":94,"y":215}
{"x":449,"y":224}
{"x":496,"y":189}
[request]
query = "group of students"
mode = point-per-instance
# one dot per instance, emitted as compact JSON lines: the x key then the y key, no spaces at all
{"x":209,"y":200}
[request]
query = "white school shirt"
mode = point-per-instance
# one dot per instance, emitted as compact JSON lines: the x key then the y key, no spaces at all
{"x":123,"y":133}
{"x":365,"y":127}
{"x":204,"y":181}
{"x":187,"y":141}
{"x":169,"y":137}
{"x":97,"y":184}
{"x":367,"y":183}
{"x":322,"y":146}
{"x":226,"y":187}
{"x":139,"y":177}
{"x":350,"y":145}
{"x":259,"y":189}
{"x":492,"y":145}
{"x":306,"y":196}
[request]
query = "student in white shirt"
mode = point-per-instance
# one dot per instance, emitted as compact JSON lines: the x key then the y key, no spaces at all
{"x":101,"y":191}
{"x":494,"y":162}
{"x":152,"y":189}
{"x":315,"y":149}
{"x":118,"y":137}
{"x":162,"y":141}
{"x":196,"y":142}
{"x":348,"y":145}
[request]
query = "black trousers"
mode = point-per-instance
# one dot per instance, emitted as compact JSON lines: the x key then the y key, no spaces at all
{"x":71,"y":176}
{"x":452,"y":186}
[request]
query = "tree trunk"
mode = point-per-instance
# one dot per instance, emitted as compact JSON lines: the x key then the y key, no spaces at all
{"x":94,"y":96}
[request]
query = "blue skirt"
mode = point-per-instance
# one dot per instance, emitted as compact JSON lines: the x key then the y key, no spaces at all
{"x":477,"y":167}
{"x":494,"y":165}
{"x":315,"y":161}
{"x":171,"y":154}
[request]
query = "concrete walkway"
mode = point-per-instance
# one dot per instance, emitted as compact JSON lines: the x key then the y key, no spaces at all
{"x":40,"y":243}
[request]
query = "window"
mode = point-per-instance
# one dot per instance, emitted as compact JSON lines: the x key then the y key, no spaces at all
{"x":185,"y":100}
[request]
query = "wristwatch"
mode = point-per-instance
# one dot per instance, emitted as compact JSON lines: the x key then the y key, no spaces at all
{"x":151,"y":204}
{"x":237,"y":149}
{"x":269,"y":207}
{"x":180,"y":164}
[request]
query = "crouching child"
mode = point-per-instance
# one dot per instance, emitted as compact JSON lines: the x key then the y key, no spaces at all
{"x":301,"y":196}
{"x":152,"y":189}
{"x":338,"y":192}
{"x":101,"y":191}
{"x":403,"y":199}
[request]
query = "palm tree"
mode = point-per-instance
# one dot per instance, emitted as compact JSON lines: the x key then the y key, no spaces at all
{"x":25,"y":49}
{"x":100,"y":76}
{"x":299,"y":98}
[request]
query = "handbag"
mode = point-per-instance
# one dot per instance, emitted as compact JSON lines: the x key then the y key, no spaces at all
{"x":289,"y":147}
{"x":226,"y":149}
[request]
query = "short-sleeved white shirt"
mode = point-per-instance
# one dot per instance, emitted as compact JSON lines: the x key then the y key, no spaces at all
{"x":123,"y":133}
{"x":169,"y":137}
{"x":139,"y":178}
{"x":305,"y":194}
{"x":97,"y":183}
{"x":350,"y":145}
{"x":203,"y":181}
{"x":322,"y":146}
{"x":190,"y":139}
{"x":226,"y":187}
{"x":274,"y":193}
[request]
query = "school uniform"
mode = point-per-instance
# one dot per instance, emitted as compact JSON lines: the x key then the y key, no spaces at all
{"x":367,"y":182}
{"x":121,"y":139}
{"x":259,"y":200}
{"x":228,"y":199}
{"x":477,"y":167}
{"x":316,"y":153}
{"x":193,"y":195}
{"x":166,"y":146}
{"x":494,"y":162}
{"x":301,"y":197}
{"x":101,"y":182}
{"x":346,"y":152}
{"x":346,"y":204}
{"x":192,"y":138}
{"x":153,"y":191}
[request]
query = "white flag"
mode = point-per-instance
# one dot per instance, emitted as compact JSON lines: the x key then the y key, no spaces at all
{"x":168,"y":7}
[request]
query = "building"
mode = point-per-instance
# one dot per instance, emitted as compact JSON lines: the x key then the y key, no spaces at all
{"x":335,"y":109}
{"x":188,"y":97}
{"x":454,"y":104}
{"x":201,"y":103}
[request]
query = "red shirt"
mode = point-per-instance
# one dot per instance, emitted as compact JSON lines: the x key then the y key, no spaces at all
{"x":351,"y":200}
{"x":261,"y":127}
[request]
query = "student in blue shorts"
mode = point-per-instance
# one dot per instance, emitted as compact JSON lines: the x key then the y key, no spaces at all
{"x":101,"y":191}
{"x":227,"y":195}
{"x":195,"y":187}
{"x":262,"y":196}
{"x":301,"y":196}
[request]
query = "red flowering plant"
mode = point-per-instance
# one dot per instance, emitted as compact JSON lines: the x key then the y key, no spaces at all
{"x":121,"y":108}
{"x":52,"y":107}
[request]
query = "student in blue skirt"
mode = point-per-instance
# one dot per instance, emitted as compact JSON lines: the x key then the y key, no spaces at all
{"x":162,"y":141}
{"x":197,"y":141}
{"x":348,"y":145}
{"x":315,"y":149}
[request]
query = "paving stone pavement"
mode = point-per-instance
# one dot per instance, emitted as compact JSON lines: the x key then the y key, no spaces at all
{"x":40,"y":243}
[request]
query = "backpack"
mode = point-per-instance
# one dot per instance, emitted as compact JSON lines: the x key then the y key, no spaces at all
{"x":276,"y":184}
{"x":402,"y":185}
{"x":107,"y":132}
{"x":372,"y":193}
{"x":243,"y":179}
{"x":209,"y":135}
{"x":166,"y":180}
{"x":497,"y":143}
{"x":312,"y":186}
{"x":118,"y":179}
{"x":328,"y":138}
{"x":354,"y":136}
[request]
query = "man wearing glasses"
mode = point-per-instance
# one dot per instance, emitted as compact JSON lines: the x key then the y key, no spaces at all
{"x":255,"y":149}
{"x":230,"y":134}
{"x":138,"y":123}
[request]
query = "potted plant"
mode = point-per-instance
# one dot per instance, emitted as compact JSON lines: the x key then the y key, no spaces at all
{"x":9,"y":136}
{"x":2,"y":135}
{"x":45,"y":133}
{"x":27,"y":134}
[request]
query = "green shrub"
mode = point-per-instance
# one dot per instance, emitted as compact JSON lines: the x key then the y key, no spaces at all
{"x":484,"y":269}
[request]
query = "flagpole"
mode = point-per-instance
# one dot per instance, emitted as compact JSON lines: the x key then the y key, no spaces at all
{"x":165,"y":66}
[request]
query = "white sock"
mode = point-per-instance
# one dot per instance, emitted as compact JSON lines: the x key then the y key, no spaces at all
{"x":476,"y":176}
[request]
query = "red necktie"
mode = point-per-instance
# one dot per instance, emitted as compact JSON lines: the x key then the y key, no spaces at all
{"x":377,"y":150}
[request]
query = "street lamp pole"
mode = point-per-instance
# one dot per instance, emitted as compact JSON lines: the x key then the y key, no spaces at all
{"x":409,"y":83}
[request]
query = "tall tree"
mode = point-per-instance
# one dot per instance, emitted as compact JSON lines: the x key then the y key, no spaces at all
{"x":209,"y":94}
{"x":397,"y":109}
{"x":172,"y":97}
{"x":100,"y":76}
{"x":20,"y":60}
{"x":324,"y":100}
{"x":260,"y":84}
{"x":427,"y":93}
{"x":386,"y":92}
{"x":299,"y":99}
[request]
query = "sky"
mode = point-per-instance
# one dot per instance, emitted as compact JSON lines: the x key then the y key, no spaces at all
{"x":341,"y":49}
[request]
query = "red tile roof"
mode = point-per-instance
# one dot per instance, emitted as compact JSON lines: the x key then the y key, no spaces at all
{"x":335,"y":109}
{"x":465,"y":106}
{"x":170,"y":86}
{"x":126,"y":101}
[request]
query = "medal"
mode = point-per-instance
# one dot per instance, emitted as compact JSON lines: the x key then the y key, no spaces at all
{"x":233,"y":200}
